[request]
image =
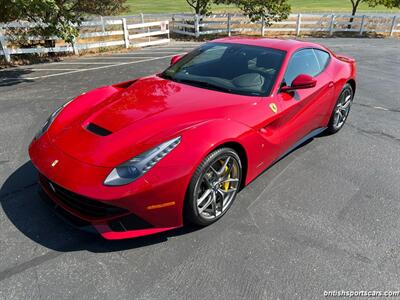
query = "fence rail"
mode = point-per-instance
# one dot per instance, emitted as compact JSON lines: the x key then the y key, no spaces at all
{"x":154,"y":29}
{"x":111,"y":32}
{"x":296,"y":24}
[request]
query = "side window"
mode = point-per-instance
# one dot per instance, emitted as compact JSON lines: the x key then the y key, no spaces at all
{"x":302,"y":62}
{"x":322,"y":57}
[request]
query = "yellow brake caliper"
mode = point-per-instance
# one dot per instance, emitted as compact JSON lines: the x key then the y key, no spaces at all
{"x":227,"y":184}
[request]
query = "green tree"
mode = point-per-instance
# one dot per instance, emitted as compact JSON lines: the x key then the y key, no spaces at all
{"x":56,"y":17}
{"x":373,"y":3}
{"x":200,"y":7}
{"x":270,"y":10}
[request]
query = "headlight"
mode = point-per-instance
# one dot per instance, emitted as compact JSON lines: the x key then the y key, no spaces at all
{"x":50,"y":120}
{"x":139,"y":165}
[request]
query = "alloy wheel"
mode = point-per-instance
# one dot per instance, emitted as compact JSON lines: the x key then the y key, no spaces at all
{"x":342,"y":108}
{"x":217,"y":187}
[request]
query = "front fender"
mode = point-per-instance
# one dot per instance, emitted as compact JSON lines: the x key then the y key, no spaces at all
{"x":208,"y":136}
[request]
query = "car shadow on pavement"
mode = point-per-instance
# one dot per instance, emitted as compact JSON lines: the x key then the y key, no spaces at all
{"x":33,"y":217}
{"x":22,"y":204}
{"x":13,"y":76}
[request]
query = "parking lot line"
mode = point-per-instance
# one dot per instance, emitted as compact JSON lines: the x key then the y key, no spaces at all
{"x":49,"y":69}
{"x":82,"y":63}
{"x":98,"y":68}
{"x":155,"y":52}
{"x":115,"y":57}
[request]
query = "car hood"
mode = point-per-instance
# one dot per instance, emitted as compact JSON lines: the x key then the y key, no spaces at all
{"x":106,"y":132}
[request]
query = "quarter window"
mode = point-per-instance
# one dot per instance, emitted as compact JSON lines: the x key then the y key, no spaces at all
{"x":322,"y":57}
{"x":302,"y":62}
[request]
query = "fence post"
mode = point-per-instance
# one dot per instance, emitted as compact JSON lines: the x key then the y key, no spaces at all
{"x":196,"y":25}
{"x":142,"y":18}
{"x":3,"y":44}
{"x":332,"y":25}
{"x":126,"y":32}
{"x":103,"y":26}
{"x":362,"y":25}
{"x":393,"y":26}
{"x":262,"y":26}
{"x":229,"y":24}
{"x":298,"y":25}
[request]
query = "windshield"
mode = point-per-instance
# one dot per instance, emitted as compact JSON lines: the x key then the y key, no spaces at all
{"x":232,"y":68}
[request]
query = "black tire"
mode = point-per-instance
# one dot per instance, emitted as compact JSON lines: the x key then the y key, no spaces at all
{"x":191,"y":213}
{"x":332,"y":126}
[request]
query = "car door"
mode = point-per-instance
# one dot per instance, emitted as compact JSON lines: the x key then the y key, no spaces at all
{"x":303,"y":110}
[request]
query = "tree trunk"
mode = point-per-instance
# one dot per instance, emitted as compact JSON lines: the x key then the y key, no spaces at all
{"x":353,"y":12}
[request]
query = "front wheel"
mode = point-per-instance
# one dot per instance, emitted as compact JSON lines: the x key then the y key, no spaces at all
{"x":213,"y":187}
{"x":341,"y":110}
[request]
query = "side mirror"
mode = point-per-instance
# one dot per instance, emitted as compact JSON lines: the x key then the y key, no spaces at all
{"x":302,"y":81}
{"x":175,"y":59}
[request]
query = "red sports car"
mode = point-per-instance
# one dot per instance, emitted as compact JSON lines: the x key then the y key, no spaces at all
{"x":146,"y":155}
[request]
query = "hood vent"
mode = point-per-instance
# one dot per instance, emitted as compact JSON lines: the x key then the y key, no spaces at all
{"x":98,"y":130}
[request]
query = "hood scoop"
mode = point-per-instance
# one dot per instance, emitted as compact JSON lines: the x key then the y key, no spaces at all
{"x":93,"y":128}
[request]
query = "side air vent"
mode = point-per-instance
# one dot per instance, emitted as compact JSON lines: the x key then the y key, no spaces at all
{"x":98,"y":130}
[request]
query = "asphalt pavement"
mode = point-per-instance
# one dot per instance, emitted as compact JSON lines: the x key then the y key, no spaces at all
{"x":326,"y":217}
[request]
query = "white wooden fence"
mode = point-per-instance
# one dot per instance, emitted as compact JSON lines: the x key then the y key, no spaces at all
{"x":296,"y":24}
{"x":144,"y":30}
{"x":99,"y":33}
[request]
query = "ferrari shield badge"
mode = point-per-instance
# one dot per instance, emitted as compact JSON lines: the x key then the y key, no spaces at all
{"x":273,"y":107}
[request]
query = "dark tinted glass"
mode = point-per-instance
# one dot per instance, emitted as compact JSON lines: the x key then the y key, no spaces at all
{"x":302,"y":62}
{"x":231,"y":68}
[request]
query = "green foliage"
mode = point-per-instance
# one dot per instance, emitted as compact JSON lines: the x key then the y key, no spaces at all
{"x":386,"y":3}
{"x":56,"y":17}
{"x":374,"y":3}
{"x":270,"y":10}
{"x":200,"y":7}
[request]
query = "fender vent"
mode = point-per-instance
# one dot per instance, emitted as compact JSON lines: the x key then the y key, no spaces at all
{"x":98,"y":130}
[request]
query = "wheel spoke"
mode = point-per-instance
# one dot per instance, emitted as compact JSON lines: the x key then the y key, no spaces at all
{"x":210,"y":201}
{"x":209,"y":184}
{"x":223,"y":168}
{"x":214,"y":204}
{"x":224,"y":192}
{"x":345,"y":105}
{"x":228,"y":180}
{"x":215,"y":171}
{"x":204,"y":197}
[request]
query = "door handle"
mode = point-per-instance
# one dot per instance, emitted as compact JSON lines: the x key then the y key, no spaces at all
{"x":330,"y":84}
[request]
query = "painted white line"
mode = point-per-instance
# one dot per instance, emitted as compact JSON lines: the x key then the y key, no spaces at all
{"x":177,"y":48}
{"x":382,"y":108}
{"x":45,"y":69}
{"x":155,"y":52}
{"x":82,"y":63}
{"x":115,"y":57}
{"x":101,"y":67}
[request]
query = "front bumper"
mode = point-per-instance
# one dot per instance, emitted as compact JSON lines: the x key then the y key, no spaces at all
{"x":146,"y":206}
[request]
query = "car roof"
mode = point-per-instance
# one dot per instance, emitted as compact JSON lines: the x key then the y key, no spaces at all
{"x":288,"y":45}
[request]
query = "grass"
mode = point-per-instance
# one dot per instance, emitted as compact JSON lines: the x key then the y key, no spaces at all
{"x":170,"y":6}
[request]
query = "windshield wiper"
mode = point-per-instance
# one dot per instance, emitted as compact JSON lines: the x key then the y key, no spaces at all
{"x":204,"y":84}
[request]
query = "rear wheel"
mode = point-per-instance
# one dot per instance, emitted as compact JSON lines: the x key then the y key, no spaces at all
{"x":341,"y":110}
{"x":213,"y":187}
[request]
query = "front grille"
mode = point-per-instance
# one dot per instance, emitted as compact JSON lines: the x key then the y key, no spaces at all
{"x":83,"y":205}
